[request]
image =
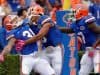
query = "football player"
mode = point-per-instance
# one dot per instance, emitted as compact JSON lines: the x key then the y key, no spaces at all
{"x":51,"y":35}
{"x":86,"y":27}
{"x":94,"y":9}
{"x":17,"y":29}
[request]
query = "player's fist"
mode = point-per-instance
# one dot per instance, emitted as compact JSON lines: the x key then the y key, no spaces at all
{"x":1,"y":58}
{"x":19,"y":45}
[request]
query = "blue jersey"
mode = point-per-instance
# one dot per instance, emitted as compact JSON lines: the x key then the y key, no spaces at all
{"x":95,"y":11}
{"x":3,"y":41}
{"x":81,"y":28}
{"x":23,"y":33}
{"x":35,"y":28}
{"x":54,"y":36}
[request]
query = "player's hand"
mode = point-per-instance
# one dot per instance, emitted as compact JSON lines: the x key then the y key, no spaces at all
{"x":1,"y":58}
{"x":19,"y":45}
{"x":91,"y":54}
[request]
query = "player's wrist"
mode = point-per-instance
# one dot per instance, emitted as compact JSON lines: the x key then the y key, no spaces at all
{"x":3,"y":53}
{"x":2,"y":57}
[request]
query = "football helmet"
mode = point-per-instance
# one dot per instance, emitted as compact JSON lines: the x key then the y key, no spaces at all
{"x":10,"y":22}
{"x":36,"y":10}
{"x":80,"y":11}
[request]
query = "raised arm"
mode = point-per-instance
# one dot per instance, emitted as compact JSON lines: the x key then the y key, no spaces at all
{"x":7,"y":49}
{"x":66,"y":30}
{"x":43,"y":31}
{"x":9,"y":46}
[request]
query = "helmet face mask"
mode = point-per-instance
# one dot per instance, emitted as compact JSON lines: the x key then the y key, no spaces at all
{"x":11,"y":22}
{"x":36,"y":10}
{"x":8,"y":27}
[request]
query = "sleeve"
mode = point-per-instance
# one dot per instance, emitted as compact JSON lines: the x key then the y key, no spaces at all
{"x":3,"y":41}
{"x":89,"y":19}
{"x":45,"y":19}
{"x":10,"y":34}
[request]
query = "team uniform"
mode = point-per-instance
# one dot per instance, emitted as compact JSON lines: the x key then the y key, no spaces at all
{"x":95,"y":11}
{"x":53,"y":43}
{"x":88,"y":38}
{"x":30,"y":59}
{"x":3,"y":41}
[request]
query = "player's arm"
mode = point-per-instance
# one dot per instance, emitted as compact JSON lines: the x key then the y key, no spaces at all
{"x":9,"y":46}
{"x":94,"y":27}
{"x":43,"y":31}
{"x":66,"y":30}
{"x":97,"y":43}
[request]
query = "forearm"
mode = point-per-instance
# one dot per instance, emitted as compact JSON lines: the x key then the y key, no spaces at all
{"x":34,"y":39}
{"x":9,"y":46}
{"x":65,"y":30}
{"x":97,"y":29}
{"x":94,"y":28}
{"x":43,"y":31}
{"x":6,"y":51}
{"x":12,"y":42}
{"x":97,"y":43}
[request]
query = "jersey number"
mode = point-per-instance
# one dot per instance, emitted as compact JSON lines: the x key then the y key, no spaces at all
{"x":28,"y":33}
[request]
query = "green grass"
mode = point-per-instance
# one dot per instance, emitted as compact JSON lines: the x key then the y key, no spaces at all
{"x":11,"y":66}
